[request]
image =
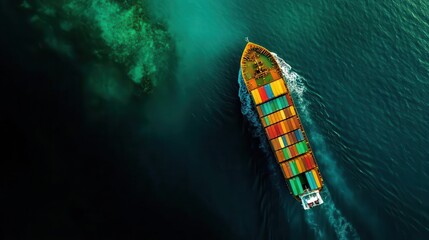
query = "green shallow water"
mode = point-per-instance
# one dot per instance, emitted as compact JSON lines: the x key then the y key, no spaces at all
{"x":184,"y":156}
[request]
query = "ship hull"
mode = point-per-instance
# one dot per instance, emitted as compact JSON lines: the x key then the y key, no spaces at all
{"x":273,"y":102}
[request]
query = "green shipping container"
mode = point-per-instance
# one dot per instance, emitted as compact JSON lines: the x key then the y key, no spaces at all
{"x":302,"y":147}
{"x":284,"y":102}
{"x":299,"y":148}
{"x":304,"y":144}
{"x":296,"y":186}
{"x":310,"y":180}
{"x":286,"y":153}
{"x":293,"y":187}
{"x":277,"y":104}
{"x":293,"y":168}
{"x":267,"y":121}
{"x":298,"y":181}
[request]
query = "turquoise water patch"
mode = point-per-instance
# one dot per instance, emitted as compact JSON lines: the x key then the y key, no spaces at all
{"x":107,"y":31}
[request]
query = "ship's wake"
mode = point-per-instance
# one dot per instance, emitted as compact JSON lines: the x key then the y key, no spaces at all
{"x":251,"y":115}
{"x":342,"y":228}
{"x":328,"y":211}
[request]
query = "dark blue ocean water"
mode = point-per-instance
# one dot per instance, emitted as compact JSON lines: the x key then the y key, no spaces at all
{"x":189,"y":160}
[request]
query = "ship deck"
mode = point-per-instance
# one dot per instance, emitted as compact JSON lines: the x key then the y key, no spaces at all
{"x":276,"y":109}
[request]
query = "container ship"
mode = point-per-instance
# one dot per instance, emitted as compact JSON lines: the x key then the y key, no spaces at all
{"x":266,"y":84}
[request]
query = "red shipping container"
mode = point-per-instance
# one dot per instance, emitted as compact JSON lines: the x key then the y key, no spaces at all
{"x":307,"y":160}
{"x":310,"y":160}
{"x":289,"y":100}
{"x":310,"y":157}
{"x":307,"y":163}
{"x":270,"y":132}
{"x":281,"y":129}
{"x":263,"y":94}
{"x":293,"y":151}
{"x":277,"y":130}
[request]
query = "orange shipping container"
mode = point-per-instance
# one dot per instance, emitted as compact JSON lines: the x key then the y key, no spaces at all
{"x":301,"y":162}
{"x":285,"y":169}
{"x":299,"y":165}
{"x":289,"y":169}
{"x":280,"y":156}
{"x":275,"y":143}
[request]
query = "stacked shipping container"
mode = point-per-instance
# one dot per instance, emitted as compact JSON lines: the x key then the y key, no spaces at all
{"x":283,"y":128}
{"x":298,"y":165}
{"x":269,"y":91}
{"x":278,"y":116}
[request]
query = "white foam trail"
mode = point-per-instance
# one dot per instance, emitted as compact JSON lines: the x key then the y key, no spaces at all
{"x":248,"y":110}
{"x":310,"y":219}
{"x":342,"y":228}
{"x":341,"y":225}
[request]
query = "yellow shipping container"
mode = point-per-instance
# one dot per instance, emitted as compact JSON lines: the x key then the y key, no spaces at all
{"x":316,"y":177}
{"x":292,"y":111}
{"x":274,"y":88}
{"x":299,"y":166}
{"x":283,"y":86}
{"x":282,"y":144}
{"x":256,"y":96}
{"x":282,"y":113}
